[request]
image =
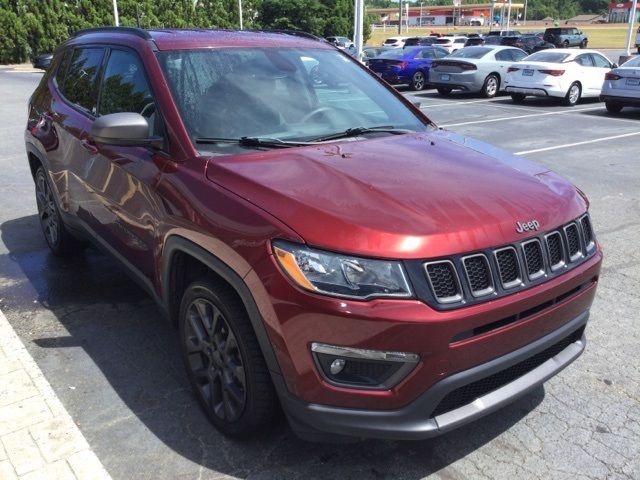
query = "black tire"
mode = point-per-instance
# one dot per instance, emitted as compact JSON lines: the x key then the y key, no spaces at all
{"x":565,"y":44}
{"x":223,"y":360}
{"x":58,"y":238}
{"x":573,"y":96}
{"x":518,"y":97}
{"x":638,"y":50}
{"x":491,"y":86}
{"x":418,"y":81}
{"x":584,"y":43}
{"x":446,"y":91}
{"x":613,"y":107}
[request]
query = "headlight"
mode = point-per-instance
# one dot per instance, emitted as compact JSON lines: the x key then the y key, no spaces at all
{"x":341,"y":275}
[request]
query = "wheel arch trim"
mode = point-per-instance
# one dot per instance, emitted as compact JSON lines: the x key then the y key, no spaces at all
{"x":177,"y":244}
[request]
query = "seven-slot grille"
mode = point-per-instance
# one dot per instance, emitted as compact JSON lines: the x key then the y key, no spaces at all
{"x":511,"y":267}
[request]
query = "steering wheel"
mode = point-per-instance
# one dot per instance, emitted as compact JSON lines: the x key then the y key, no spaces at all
{"x":317,"y":111}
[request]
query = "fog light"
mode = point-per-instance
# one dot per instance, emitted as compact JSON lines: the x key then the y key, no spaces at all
{"x":360,"y":368}
{"x":336,"y":366}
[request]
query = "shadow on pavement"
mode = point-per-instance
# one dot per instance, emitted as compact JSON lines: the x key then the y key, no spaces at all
{"x":108,"y":319}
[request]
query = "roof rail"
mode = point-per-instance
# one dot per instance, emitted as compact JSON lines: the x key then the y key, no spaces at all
{"x":139,"y":32}
{"x":297,"y":33}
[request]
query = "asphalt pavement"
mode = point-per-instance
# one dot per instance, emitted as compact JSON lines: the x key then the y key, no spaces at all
{"x":114,"y":365}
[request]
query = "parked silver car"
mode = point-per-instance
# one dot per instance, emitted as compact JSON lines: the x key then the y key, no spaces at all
{"x":474,"y":69}
{"x":621,"y":86}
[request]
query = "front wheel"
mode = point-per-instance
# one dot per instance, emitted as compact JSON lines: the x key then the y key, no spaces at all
{"x":613,"y":107}
{"x":491,"y":86}
{"x":573,"y":95}
{"x":446,"y":91}
{"x":518,"y":97}
{"x":583,"y":44}
{"x":418,"y":81}
{"x":223,"y":360}
{"x":565,"y":44}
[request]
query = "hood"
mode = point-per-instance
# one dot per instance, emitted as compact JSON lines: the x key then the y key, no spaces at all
{"x":420,"y":195}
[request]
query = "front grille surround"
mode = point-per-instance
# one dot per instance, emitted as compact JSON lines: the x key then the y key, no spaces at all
{"x":535,"y":267}
{"x":486,"y":288}
{"x":442,"y":298}
{"x":574,"y":243}
{"x":508,"y":280}
{"x":553,"y":244}
{"x":587,"y":232}
{"x":562,"y":260}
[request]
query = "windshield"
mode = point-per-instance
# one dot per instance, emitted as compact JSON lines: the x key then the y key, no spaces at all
{"x":470,"y":52}
{"x":546,"y":56}
{"x":443,"y":41}
{"x":283,"y":94}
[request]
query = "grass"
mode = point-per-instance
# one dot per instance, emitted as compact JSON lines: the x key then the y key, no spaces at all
{"x":600,"y":36}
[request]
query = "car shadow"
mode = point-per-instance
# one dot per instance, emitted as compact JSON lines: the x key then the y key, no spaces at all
{"x":85,"y":323}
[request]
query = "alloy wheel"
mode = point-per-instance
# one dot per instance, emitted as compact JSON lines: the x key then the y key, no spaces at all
{"x":574,"y":94}
{"x":214,"y":358}
{"x":418,"y":81}
{"x":47,"y":211}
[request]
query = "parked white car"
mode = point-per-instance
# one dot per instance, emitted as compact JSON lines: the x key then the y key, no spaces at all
{"x":621,"y":86}
{"x":451,"y":44}
{"x":394,"y":42}
{"x":561,"y":73}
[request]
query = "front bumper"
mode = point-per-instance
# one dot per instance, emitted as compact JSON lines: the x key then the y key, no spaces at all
{"x":422,"y":418}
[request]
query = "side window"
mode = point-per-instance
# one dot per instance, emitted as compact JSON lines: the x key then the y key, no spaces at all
{"x":584,"y":60}
{"x":63,"y":66}
{"x":425,"y":54}
{"x":125,"y":89}
{"x":518,"y":55}
{"x":600,"y":61}
{"x":504,"y":56}
{"x":81,"y":83}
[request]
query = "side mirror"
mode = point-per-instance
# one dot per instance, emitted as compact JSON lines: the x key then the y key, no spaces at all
{"x":614,"y":65}
{"x":124,"y":129}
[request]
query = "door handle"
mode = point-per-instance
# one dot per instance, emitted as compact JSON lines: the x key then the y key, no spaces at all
{"x":90,"y":147}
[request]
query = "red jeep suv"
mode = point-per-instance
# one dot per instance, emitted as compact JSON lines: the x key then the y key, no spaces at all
{"x":320,"y":244}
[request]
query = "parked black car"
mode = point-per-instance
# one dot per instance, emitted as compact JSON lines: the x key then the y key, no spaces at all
{"x":42,"y":61}
{"x":532,"y":43}
{"x":474,"y":41}
{"x":425,"y":41}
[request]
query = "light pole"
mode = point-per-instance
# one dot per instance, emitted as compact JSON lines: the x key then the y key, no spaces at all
{"x":400,"y":17}
{"x":240,"y":12}
{"x":115,"y":13}
{"x":493,"y":5}
{"x":524,"y":18}
{"x":420,"y":13}
{"x":509,"y":17}
{"x":632,"y":18}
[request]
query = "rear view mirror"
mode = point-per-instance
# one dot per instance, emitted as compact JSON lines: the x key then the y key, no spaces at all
{"x":124,"y":129}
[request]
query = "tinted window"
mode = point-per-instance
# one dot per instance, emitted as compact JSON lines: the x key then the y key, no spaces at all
{"x":471,"y":52}
{"x":584,"y":60}
{"x":504,"y":56}
{"x":64,"y":65}
{"x":634,"y":62}
{"x":81,"y":83}
{"x":426,"y":54}
{"x":600,"y":61}
{"x":547,"y":56}
{"x":518,"y":55}
{"x":125,"y":89}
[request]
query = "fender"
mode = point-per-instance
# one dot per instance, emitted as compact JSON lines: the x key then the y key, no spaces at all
{"x":176,"y":244}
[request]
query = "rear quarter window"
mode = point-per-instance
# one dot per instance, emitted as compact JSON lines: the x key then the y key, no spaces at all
{"x":63,"y":66}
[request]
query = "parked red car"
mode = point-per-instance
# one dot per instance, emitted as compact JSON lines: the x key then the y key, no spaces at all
{"x":320,"y":245}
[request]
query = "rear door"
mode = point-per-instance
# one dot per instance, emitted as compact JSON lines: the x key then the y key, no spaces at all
{"x":601,"y":66}
{"x":72,"y":111}
{"x":588,"y":75}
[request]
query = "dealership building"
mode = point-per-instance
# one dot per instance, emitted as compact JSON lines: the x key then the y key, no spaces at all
{"x":619,"y":12}
{"x":469,"y":14}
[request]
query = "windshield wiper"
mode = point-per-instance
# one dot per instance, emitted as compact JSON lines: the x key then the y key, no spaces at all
{"x":354,"y":132}
{"x":251,"y":142}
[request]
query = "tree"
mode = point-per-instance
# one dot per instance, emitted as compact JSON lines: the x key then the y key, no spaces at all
{"x":14,"y":47}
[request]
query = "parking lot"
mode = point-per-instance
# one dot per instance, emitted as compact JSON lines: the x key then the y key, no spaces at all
{"x":114,"y":364}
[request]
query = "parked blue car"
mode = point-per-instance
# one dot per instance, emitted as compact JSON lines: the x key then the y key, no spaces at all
{"x":406,"y":66}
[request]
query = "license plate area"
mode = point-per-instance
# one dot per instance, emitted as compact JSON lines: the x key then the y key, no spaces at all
{"x":446,"y":78}
{"x":633,"y":82}
{"x":527,"y":72}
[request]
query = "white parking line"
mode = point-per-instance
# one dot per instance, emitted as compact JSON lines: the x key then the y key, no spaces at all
{"x":462,"y":102}
{"x":575,"y":144}
{"x":502,"y":119}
